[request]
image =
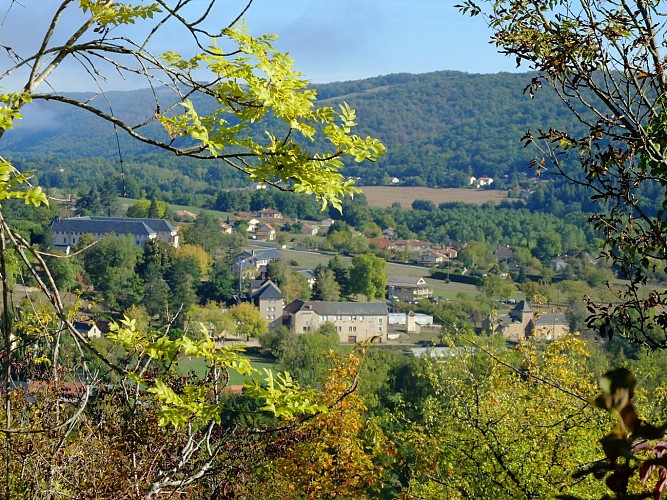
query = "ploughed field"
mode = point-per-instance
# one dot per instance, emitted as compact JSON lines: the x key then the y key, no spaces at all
{"x":384,"y":196}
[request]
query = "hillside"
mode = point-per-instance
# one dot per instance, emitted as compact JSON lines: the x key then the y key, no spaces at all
{"x":439,"y":128}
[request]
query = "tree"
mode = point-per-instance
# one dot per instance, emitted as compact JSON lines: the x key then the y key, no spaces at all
{"x":248,"y":320}
{"x":604,"y":62}
{"x":110,"y":268}
{"x":368,"y":276}
{"x":87,"y":204}
{"x":220,"y":285}
{"x":291,"y":284}
{"x":156,"y":291}
{"x":491,"y":430}
{"x":497,"y":288}
{"x":326,"y":288}
{"x":342,"y":273}
{"x":247,"y":89}
{"x":205,"y":232}
{"x":153,"y":209}
{"x":337,"y":456}
{"x":548,"y":245}
{"x":307,"y":356}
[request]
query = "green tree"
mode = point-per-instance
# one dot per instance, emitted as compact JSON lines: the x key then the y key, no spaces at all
{"x":153,"y":209}
{"x":342,"y":273}
{"x":368,"y":276}
{"x":220,"y":285}
{"x":156,"y":291}
{"x":110,"y":268}
{"x":548,"y":245}
{"x":205,"y":232}
{"x":306,"y":355}
{"x":477,"y":255}
{"x":89,"y":203}
{"x":326,"y":288}
{"x":497,"y":288}
{"x":247,"y":320}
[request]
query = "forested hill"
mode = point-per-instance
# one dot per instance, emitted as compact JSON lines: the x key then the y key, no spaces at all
{"x":440,"y":128}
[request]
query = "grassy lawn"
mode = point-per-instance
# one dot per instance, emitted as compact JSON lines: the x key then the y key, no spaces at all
{"x":185,"y":365}
{"x":307,"y":260}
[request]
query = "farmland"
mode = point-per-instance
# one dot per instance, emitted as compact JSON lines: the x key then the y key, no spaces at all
{"x":384,"y":196}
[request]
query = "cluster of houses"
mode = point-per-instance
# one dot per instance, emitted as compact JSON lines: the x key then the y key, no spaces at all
{"x":358,"y":321}
{"x":428,"y":255}
{"x":354,"y":321}
{"x":263,"y":224}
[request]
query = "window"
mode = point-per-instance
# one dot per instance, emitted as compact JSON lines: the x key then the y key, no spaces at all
{"x":380,"y":320}
{"x":380,"y":329}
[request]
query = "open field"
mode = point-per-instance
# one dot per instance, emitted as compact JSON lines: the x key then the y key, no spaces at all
{"x":384,"y":196}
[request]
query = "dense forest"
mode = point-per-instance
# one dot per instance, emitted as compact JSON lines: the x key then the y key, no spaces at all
{"x":439,"y":128}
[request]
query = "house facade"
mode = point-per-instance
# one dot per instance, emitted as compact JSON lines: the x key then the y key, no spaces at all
{"x":68,"y":232}
{"x":269,"y":213}
{"x":354,"y":321}
{"x":266,"y":232}
{"x":268,"y":298}
{"x":309,"y":230}
{"x":408,"y":288}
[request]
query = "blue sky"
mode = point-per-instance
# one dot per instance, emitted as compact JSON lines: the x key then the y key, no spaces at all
{"x":330,"y":40}
{"x":349,"y":39}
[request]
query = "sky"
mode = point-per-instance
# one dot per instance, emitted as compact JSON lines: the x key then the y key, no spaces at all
{"x":330,"y":40}
{"x":339,"y":40}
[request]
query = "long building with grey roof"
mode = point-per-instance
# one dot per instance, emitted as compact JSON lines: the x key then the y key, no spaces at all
{"x":68,"y":232}
{"x":354,"y":321}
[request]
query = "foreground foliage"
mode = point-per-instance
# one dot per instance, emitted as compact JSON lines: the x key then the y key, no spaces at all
{"x":505,"y":424}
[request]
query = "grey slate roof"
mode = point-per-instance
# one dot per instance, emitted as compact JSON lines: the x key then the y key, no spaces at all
{"x":269,"y":290}
{"x":118,"y":225}
{"x":551,"y":319}
{"x":269,"y":254}
{"x":522,"y":307}
{"x":158,"y":225}
{"x":341,"y":308}
{"x":104,"y":226}
{"x":307,"y":273}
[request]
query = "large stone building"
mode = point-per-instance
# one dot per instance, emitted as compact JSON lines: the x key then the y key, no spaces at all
{"x":68,"y":232}
{"x":523,"y":324}
{"x":354,"y":321}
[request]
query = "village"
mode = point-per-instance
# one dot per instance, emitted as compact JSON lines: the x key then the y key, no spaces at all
{"x":396,"y":316}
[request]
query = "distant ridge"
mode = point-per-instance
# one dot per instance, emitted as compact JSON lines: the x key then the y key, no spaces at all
{"x":440,"y":128}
